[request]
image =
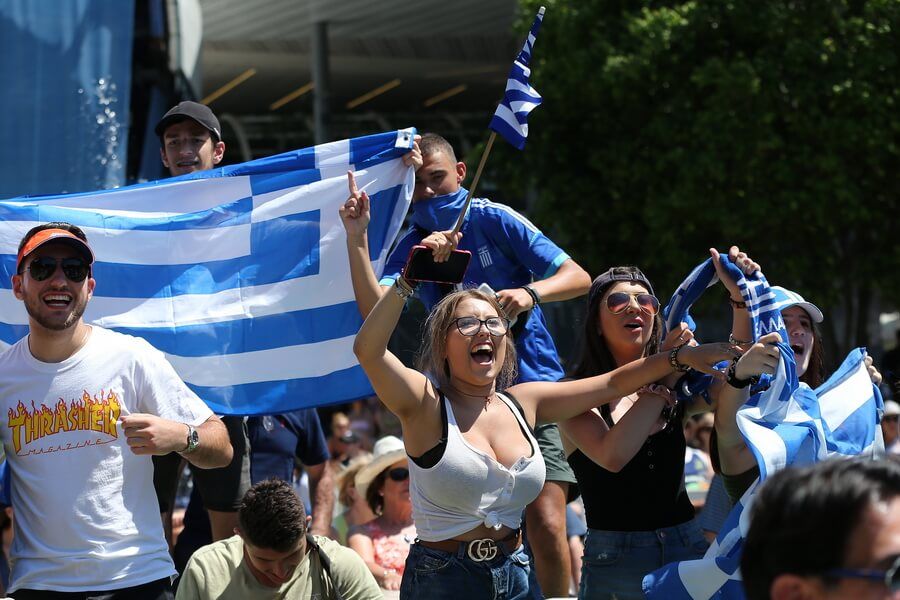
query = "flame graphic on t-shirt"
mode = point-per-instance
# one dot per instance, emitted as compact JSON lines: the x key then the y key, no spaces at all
{"x":99,"y":413}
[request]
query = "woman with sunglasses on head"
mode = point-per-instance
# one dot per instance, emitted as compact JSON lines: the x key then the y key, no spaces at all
{"x":729,"y":452}
{"x":474,"y":463}
{"x":383,"y":543}
{"x":629,"y":455}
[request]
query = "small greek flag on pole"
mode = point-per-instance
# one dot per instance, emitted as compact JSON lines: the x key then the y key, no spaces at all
{"x":511,"y":117}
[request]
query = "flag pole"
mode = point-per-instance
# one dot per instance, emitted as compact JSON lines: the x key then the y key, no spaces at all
{"x":484,"y":155}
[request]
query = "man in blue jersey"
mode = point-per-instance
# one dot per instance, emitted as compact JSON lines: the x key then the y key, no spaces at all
{"x":524,"y":268}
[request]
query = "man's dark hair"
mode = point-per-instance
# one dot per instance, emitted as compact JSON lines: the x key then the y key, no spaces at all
{"x":73,"y":229}
{"x":432,"y":142}
{"x":802,"y":519}
{"x":271,"y":516}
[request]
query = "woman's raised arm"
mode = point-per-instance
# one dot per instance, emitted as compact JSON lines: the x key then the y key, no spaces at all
{"x":555,"y":401}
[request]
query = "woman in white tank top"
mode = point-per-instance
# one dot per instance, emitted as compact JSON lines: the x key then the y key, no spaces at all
{"x":474,"y":462}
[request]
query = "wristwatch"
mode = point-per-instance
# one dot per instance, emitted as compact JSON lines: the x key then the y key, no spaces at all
{"x":193,"y":440}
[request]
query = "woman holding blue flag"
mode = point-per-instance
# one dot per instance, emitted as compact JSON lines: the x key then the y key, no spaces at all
{"x":474,"y":461}
{"x":628,"y":456}
{"x":730,"y":453}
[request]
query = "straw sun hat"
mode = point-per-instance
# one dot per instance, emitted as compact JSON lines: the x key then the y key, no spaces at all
{"x":387,"y":451}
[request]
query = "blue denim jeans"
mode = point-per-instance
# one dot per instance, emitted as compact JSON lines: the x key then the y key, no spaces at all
{"x":615,"y":562}
{"x":439,"y":575}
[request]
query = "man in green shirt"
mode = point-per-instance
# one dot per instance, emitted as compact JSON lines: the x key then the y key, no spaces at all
{"x":272,"y":556}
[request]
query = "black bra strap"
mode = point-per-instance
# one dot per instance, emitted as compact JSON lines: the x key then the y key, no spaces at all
{"x":433,"y":455}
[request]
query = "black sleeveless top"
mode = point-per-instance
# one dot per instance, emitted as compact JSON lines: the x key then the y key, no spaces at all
{"x":648,"y":493}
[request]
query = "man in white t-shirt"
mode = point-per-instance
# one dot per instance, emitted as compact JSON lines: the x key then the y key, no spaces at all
{"x":86,"y":408}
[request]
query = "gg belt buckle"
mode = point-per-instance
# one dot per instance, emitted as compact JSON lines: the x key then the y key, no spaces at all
{"x":482,"y":550}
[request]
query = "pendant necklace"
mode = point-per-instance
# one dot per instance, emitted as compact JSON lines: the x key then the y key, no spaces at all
{"x":487,"y":398}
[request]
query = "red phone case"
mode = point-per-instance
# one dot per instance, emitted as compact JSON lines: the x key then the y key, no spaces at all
{"x":420,"y":266}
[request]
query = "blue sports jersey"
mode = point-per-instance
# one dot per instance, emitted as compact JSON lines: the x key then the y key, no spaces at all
{"x":508,"y":251}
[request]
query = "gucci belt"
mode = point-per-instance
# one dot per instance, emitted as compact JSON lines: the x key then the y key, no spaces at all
{"x":481,"y":550}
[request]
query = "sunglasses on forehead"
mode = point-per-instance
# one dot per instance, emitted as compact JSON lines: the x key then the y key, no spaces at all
{"x":75,"y":269}
{"x":618,"y":302}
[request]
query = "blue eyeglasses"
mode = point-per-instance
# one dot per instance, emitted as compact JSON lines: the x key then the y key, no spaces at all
{"x":890,"y":578}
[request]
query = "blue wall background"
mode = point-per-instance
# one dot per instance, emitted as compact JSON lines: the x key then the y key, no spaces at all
{"x":65,"y":66}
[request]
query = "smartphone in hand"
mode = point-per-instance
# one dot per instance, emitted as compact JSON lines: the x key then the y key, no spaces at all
{"x":420,"y":266}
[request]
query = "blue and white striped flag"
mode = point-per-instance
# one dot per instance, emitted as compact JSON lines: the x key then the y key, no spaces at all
{"x":511,"y":117}
{"x":678,"y":311}
{"x":786,"y":424}
{"x":239,"y":274}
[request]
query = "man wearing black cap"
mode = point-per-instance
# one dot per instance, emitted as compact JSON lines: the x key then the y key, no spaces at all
{"x":85,"y":407}
{"x":191,"y":139}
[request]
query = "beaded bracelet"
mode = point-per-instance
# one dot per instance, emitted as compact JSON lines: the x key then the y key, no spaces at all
{"x":673,"y":359}
{"x":736,"y":342}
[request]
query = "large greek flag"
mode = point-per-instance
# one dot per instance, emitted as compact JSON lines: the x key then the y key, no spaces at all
{"x":786,"y":424}
{"x":239,"y":274}
{"x":511,"y":117}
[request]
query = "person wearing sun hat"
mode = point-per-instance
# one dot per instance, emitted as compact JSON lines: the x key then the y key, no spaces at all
{"x":383,"y":543}
{"x":86,"y":408}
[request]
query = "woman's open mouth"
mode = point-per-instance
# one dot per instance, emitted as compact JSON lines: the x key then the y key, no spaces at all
{"x":634,"y":324}
{"x":483,"y":354}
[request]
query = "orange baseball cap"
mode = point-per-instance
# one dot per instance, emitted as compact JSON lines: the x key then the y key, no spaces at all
{"x":46,"y":236}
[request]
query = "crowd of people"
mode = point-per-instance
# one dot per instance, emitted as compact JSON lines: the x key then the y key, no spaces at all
{"x":486,"y":469}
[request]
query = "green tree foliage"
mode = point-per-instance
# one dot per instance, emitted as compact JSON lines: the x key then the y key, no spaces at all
{"x":670,"y":127}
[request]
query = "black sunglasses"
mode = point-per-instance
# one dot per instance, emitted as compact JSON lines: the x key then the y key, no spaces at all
{"x":469,"y":326}
{"x":75,"y":269}
{"x":618,"y":302}
{"x":399,"y":474}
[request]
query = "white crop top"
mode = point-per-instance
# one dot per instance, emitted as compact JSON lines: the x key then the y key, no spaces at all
{"x":467,"y":488}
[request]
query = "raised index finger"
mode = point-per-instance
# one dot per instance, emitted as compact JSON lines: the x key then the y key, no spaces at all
{"x":351,"y":180}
